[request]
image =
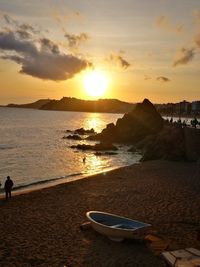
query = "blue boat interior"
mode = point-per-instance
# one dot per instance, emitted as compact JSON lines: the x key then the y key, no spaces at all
{"x":116,"y":222}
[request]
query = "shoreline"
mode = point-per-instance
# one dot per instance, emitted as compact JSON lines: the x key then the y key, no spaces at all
{"x":42,"y":228}
{"x":26,"y":189}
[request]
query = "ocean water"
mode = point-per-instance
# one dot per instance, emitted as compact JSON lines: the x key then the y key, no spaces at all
{"x":34,"y":153}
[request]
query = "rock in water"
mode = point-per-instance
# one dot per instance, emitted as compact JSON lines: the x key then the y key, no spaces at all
{"x":142,"y":121}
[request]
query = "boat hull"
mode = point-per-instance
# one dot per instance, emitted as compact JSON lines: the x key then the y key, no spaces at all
{"x":116,"y":227}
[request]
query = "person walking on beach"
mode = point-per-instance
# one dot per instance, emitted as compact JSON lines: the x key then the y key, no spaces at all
{"x":8,"y":187}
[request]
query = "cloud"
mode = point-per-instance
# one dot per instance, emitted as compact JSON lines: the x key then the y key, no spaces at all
{"x":74,"y":41}
{"x":184,"y":56}
{"x":160,"y":78}
{"x":14,"y":24}
{"x":65,"y":15}
{"x":8,"y":19}
{"x":147,"y":77}
{"x":163,"y":22}
{"x":196,"y":14}
{"x":10,"y":41}
{"x":163,"y":79}
{"x":38,"y":56}
{"x":49,"y":66}
{"x":49,"y":46}
{"x":118,"y":59}
{"x":197,"y":39}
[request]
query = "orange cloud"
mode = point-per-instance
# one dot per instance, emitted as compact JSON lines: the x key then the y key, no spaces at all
{"x":163,"y":79}
{"x":184,"y":56}
{"x":164,"y":22}
{"x":118,"y":59}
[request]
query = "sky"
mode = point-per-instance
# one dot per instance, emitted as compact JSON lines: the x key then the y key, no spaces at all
{"x":146,"y":49}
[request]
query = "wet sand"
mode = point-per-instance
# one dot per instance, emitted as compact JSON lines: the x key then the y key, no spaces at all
{"x":42,"y":228}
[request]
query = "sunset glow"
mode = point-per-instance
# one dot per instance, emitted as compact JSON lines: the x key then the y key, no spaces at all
{"x":88,"y":50}
{"x":95,"y":83}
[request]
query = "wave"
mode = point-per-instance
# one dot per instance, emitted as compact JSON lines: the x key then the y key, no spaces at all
{"x":53,"y":181}
{"x":45,"y":182}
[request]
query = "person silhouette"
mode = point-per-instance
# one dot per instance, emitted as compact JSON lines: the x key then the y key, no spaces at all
{"x":8,"y":187}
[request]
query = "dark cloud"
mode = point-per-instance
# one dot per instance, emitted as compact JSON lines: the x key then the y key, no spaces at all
{"x":38,"y":56}
{"x":184,"y":56}
{"x":164,"y":22}
{"x":49,"y":46}
{"x":163,"y":79}
{"x":49,"y":66}
{"x":74,"y":41}
{"x":117,"y":58}
{"x":11,"y":41}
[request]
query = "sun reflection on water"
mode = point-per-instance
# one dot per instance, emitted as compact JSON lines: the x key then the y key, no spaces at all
{"x":94,"y":121}
{"x":94,"y":163}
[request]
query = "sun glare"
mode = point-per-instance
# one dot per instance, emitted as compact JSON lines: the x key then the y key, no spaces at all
{"x":95,"y":83}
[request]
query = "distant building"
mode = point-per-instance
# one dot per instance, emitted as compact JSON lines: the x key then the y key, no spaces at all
{"x":170,"y":109}
{"x":195,"y":107}
{"x":167,"y":109}
{"x":182,"y":108}
{"x":185,"y":107}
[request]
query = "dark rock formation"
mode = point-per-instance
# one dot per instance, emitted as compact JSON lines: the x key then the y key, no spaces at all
{"x":73,"y":137}
{"x":82,"y":131}
{"x":105,"y":146}
{"x":142,"y":121}
{"x":168,"y":144}
{"x":192,"y":143}
{"x":107,"y":153}
{"x":83,"y":147}
{"x":96,"y":147}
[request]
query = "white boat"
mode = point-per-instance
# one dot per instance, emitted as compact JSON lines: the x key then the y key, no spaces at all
{"x":116,"y":227}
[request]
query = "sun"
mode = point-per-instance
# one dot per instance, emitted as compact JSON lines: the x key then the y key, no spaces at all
{"x":95,"y":83}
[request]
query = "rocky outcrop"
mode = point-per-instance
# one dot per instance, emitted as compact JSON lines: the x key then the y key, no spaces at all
{"x":192,"y":143}
{"x":73,"y":137}
{"x":97,"y":147}
{"x":78,"y":132}
{"x":142,"y":121}
{"x":168,"y":144}
{"x":107,"y":153}
{"x":82,"y":131}
{"x":145,"y":129}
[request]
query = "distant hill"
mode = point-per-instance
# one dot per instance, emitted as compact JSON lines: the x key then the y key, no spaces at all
{"x":101,"y":105}
{"x":74,"y":104}
{"x":35,"y":105}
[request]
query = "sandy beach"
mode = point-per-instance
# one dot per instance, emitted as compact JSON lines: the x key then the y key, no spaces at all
{"x":42,"y":228}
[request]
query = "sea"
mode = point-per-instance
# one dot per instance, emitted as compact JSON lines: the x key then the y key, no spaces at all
{"x":35,"y":155}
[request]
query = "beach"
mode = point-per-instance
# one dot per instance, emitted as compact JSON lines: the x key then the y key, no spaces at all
{"x":42,"y":228}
